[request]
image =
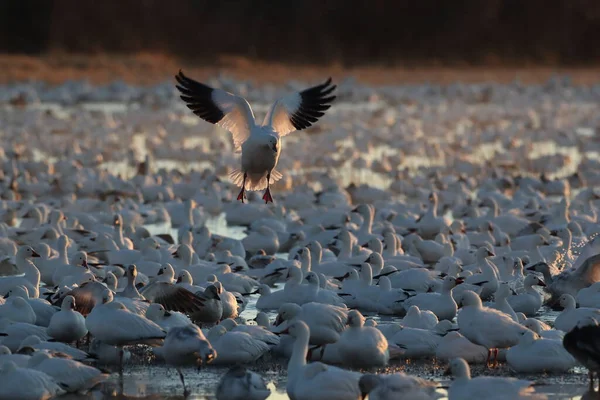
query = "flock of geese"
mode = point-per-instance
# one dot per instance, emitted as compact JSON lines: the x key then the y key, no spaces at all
{"x":463,"y":265}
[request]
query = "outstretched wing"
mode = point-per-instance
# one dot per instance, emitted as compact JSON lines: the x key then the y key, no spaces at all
{"x":300,"y":110}
{"x":217,"y":107}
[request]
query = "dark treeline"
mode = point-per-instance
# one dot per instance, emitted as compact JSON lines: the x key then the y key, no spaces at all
{"x":312,"y":31}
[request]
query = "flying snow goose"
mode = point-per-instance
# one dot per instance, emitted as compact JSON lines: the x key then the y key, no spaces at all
{"x":260,"y":145}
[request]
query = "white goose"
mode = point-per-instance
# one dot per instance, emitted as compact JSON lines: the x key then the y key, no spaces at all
{"x":485,"y":326}
{"x":33,"y":344}
{"x":486,"y":387}
{"x":183,"y":346}
{"x":398,"y":386}
{"x":112,"y":323}
{"x":67,"y":325}
{"x":73,"y":376}
{"x":455,"y":345}
{"x":317,"y":381}
{"x":166,"y":319}
{"x":571,"y":315}
{"x":42,"y":308}
{"x":535,"y":355}
{"x":529,"y":302}
{"x":242,"y":384}
{"x":18,"y":309}
{"x":326,"y":322}
{"x":441,"y":304}
{"x":20,"y":360}
{"x":25,"y":383}
{"x":235,"y":347}
{"x":293,"y":112}
{"x":31,"y":278}
{"x":362,"y":346}
{"x":501,"y":303}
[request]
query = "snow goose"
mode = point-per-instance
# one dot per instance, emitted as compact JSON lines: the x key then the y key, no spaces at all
{"x":584,"y":273}
{"x":364,"y":233}
{"x":235,"y":347}
{"x":582,"y":343}
{"x":589,"y":296}
{"x":464,"y":387}
{"x":48,"y":266}
{"x":112,"y":323}
{"x":268,"y":299}
{"x":13,"y":333}
{"x":42,"y":308}
{"x":326,"y":322}
{"x":571,"y":315}
{"x":294,"y":112}
{"x":507,"y":222}
{"x":390,"y":301}
{"x":67,"y":325}
{"x":441,"y":304}
{"x":73,"y":376}
{"x":212,"y":308}
{"x":264,"y":238}
{"x":362,"y":346}
{"x":416,"y":318}
{"x":535,"y":355}
{"x":242,"y":384}
{"x":398,"y":386}
{"x":429,"y":224}
{"x":529,"y":302}
{"x":183,"y":346}
{"x":228,"y":301}
{"x":170,"y":295}
{"x":316,"y":381}
{"x":26,"y":384}
{"x":184,"y":279}
{"x":17,"y":309}
{"x":20,"y":360}
{"x":485,"y":326}
{"x":419,"y":280}
{"x":454,"y":345}
{"x":488,"y":278}
{"x":420,"y":343}
{"x":166,"y":319}
{"x":542,"y":329}
{"x":500,"y":301}
{"x":31,"y":277}
{"x":430,"y":251}
{"x":33,"y":343}
{"x":256,"y":331}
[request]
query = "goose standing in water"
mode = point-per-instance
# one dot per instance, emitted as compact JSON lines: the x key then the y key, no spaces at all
{"x":183,"y":346}
{"x":260,"y":145}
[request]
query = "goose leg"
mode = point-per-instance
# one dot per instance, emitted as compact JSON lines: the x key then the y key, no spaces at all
{"x":267,"y":196}
{"x":185,"y":391}
{"x":241,"y":195}
{"x":591,"y":376}
{"x":121,"y":353}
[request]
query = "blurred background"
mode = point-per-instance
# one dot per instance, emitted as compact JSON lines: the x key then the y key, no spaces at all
{"x":341,"y":33}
